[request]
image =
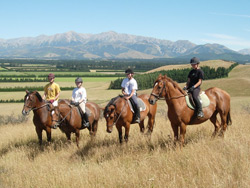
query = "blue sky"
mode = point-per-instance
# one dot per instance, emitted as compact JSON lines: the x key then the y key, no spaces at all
{"x":225,"y":22}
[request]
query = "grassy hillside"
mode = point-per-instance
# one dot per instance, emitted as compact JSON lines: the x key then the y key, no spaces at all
{"x":211,"y":63}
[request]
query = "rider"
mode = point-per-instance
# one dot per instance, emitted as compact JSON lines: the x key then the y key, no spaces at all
{"x":195,"y":77}
{"x":129,"y":87}
{"x":52,"y":90}
{"x":79,"y":98}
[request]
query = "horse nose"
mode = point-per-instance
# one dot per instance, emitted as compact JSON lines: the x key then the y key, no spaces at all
{"x":151,"y":101}
{"x":25,"y":113}
{"x":109,"y":130}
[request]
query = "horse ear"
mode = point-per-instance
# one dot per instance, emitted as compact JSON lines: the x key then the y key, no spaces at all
{"x":27,"y":91}
{"x":159,"y":76}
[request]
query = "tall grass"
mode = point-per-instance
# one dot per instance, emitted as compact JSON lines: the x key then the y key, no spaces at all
{"x":142,"y":162}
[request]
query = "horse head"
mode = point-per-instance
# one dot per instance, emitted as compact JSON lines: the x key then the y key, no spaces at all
{"x":110,"y":116}
{"x":158,"y":89}
{"x":31,"y":100}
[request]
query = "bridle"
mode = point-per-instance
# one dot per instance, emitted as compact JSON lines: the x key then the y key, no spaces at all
{"x":159,"y":96}
{"x":119,"y":114}
{"x":35,"y":108}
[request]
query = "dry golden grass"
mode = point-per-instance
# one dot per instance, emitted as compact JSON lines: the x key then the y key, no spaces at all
{"x":143,"y":161}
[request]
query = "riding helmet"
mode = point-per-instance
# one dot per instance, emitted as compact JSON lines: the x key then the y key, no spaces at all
{"x":78,"y":79}
{"x":194,"y":60}
{"x":129,"y":71}
{"x":51,"y":75}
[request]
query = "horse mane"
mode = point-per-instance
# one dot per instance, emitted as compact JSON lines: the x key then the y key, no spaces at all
{"x":39,"y":96}
{"x":111,"y":102}
{"x":174,"y":83}
{"x":36,"y":93}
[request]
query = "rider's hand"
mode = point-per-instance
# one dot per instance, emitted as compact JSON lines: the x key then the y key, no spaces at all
{"x":72,"y":102}
{"x":185,"y":88}
{"x":191,"y":89}
{"x":76,"y":103}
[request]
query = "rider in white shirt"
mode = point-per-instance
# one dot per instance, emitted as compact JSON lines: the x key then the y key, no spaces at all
{"x":79,"y":98}
{"x":129,"y":87}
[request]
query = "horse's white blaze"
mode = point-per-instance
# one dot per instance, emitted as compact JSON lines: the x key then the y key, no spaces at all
{"x":156,"y":84}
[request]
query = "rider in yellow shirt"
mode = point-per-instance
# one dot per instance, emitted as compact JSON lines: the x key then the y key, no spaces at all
{"x":52,"y":90}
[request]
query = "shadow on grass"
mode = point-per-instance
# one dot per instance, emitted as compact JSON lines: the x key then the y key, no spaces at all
{"x":33,"y":148}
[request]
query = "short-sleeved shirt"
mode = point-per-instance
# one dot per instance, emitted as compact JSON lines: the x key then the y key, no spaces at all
{"x":194,"y":76}
{"x":51,"y":90}
{"x":79,"y":94}
{"x":129,"y":85}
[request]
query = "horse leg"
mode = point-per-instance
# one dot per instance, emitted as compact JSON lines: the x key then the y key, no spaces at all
{"x":48,"y":133}
{"x":39,"y":134}
{"x":223,"y":123}
{"x":119,"y":129}
{"x":68,"y":135}
{"x":77,"y":133}
{"x":151,"y":122}
{"x":216,"y":123}
{"x":142,"y":127}
{"x":127,"y":127}
{"x":93,"y":129}
{"x":183,"y":128}
{"x":176,"y":131}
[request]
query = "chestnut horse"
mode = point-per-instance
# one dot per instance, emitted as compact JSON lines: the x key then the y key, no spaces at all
{"x":180,"y":115}
{"x":43,"y":118}
{"x":119,"y":113}
{"x":70,"y":119}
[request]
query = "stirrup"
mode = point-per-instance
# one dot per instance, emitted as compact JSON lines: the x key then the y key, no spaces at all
{"x":137,"y":120}
{"x":200,"y":114}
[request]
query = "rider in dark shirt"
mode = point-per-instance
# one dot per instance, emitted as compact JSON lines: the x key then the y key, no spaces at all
{"x":195,"y":77}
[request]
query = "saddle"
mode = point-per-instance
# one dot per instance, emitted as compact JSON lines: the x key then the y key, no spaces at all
{"x":141,"y":104}
{"x":203,"y":98}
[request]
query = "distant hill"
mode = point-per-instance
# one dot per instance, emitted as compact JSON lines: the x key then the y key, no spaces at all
{"x":110,"y":45}
{"x":211,"y":63}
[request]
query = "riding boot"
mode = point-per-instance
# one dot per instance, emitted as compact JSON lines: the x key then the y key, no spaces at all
{"x":137,"y":115}
{"x":200,"y":113}
{"x":85,"y":120}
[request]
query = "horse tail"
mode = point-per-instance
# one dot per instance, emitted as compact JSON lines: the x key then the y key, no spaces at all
{"x":229,"y":120}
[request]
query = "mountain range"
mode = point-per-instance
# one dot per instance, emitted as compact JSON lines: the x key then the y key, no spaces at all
{"x":111,"y":45}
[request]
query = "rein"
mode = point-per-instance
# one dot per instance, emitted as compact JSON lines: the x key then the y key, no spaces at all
{"x":162,"y":98}
{"x":120,"y":113}
{"x":59,"y":122}
{"x":36,"y":108}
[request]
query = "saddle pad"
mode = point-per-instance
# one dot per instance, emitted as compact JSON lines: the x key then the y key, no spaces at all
{"x":140,"y":103}
{"x":204,"y":101}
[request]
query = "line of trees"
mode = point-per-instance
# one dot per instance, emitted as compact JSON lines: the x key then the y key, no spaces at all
{"x":146,"y":81}
{"x":39,"y":88}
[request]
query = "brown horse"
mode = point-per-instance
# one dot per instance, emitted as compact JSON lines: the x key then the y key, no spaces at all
{"x":181,"y":115}
{"x":70,"y":119}
{"x":119,"y":113}
{"x":43,"y":118}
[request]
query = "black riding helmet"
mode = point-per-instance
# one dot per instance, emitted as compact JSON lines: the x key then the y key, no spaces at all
{"x":78,"y":79}
{"x":129,"y":71}
{"x":194,"y":60}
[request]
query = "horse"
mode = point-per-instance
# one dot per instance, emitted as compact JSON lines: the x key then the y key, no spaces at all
{"x":70,"y":121}
{"x":180,"y":115}
{"x":43,"y":118}
{"x":118,"y":112}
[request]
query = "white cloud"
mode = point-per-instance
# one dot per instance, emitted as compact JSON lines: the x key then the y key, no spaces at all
{"x":235,"y":15}
{"x":232,"y":42}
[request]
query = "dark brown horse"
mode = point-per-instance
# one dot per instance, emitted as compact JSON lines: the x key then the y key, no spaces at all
{"x":70,"y":119}
{"x":180,"y":115}
{"x":43,"y":118}
{"x":119,"y":113}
